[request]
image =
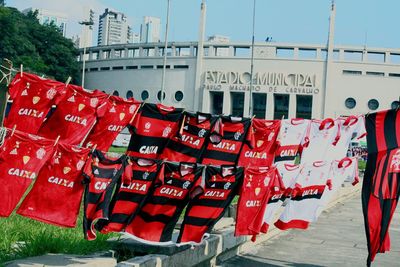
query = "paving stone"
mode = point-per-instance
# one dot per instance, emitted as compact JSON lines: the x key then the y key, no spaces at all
{"x":64,"y":260}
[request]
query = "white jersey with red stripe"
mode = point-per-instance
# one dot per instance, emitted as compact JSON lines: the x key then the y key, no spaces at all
{"x":289,"y":173}
{"x":292,"y":135}
{"x":306,"y":195}
{"x":322,"y":135}
{"x":351,"y":128}
{"x":341,"y":171}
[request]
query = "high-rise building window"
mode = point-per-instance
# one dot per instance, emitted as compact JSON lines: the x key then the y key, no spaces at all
{"x":304,"y":106}
{"x":259,"y":105}
{"x":281,"y":106}
{"x":237,"y":104}
{"x":217,"y":102}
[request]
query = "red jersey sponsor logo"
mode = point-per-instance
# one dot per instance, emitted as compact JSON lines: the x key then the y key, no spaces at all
{"x":255,"y":155}
{"x":214,"y":194}
{"x":22,"y":173}
{"x":115,"y":128}
{"x":172,"y":192}
{"x":191,"y":140}
{"x":253,"y":203}
{"x":136,"y":187}
{"x":224,"y":145}
{"x":148,"y":149}
{"x":101,"y":185}
{"x":61,"y":181}
{"x":30,"y":112}
{"x":76,"y":119}
{"x":288,"y":151}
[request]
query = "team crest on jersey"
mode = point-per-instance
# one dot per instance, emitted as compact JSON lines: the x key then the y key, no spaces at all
{"x":25,"y":159}
{"x":257,"y":190}
{"x":395,"y":162}
{"x":166,"y":131}
{"x":267,"y":179}
{"x":71,"y":99}
{"x":79,"y":165}
{"x":66,"y":170}
{"x":147,"y":126}
{"x":202,"y":132}
{"x":35,"y":100}
{"x":40,"y":153}
{"x":237,"y":135}
{"x":132,"y":109}
{"x":112,"y":110}
{"x":145,"y":175}
{"x":93,"y":102}
{"x":51,"y":93}
{"x":121,"y":116}
{"x":227,"y":185}
{"x":186,"y":185}
{"x":81,"y":106}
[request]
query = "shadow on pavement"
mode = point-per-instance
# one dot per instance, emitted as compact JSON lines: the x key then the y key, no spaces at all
{"x":255,"y":261}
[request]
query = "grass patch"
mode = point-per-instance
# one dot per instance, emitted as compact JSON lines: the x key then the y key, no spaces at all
{"x":120,"y":150}
{"x":22,"y":237}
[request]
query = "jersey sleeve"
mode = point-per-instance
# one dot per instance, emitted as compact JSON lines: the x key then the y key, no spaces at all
{"x":15,"y":86}
{"x":102,"y":109}
{"x":134,"y":124}
{"x":360,"y":130}
{"x":217,"y":132}
{"x":305,"y":141}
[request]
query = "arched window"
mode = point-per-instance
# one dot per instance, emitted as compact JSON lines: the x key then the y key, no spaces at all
{"x":159,"y":96}
{"x":116,"y":93}
{"x":373,"y":104}
{"x":129,"y":94}
{"x":178,"y":96}
{"x":350,"y":103}
{"x":145,"y":95}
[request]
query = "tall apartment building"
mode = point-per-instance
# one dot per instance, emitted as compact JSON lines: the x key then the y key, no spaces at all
{"x":113,"y":28}
{"x":150,"y":30}
{"x":46,"y":17}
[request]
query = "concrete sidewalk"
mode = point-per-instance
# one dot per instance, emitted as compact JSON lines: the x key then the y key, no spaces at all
{"x":337,"y":239}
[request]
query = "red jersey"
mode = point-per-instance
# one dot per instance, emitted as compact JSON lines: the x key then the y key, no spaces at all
{"x":101,"y":175}
{"x":152,"y":128}
{"x":32,"y":98}
{"x":264,"y":134}
{"x":57,"y":193}
{"x":156,"y":220}
{"x":117,"y":114}
{"x":74,"y":116}
{"x":21,"y":158}
{"x":221,"y":184}
{"x":234,"y":134}
{"x":256,"y":189}
{"x":132,"y":193}
{"x":190,"y":145}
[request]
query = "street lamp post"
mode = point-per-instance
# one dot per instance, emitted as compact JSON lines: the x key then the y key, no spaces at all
{"x":252,"y":61}
{"x":86,"y":24}
{"x":165,"y":55}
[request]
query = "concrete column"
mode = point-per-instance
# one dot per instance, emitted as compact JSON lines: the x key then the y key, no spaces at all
{"x":319,"y":54}
{"x":296,"y":53}
{"x":205,"y":102}
{"x":292,"y":106}
{"x":101,"y":54}
{"x":126,"y":52}
{"x":246,"y":104}
{"x":387,"y":57}
{"x":226,"y":109}
{"x":270,"y":107}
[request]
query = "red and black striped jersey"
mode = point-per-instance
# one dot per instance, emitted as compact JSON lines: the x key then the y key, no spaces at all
{"x":234,"y":133}
{"x":264,"y":134}
{"x":57,"y":193}
{"x":22,"y":156}
{"x":189,"y":146}
{"x":32,"y":98}
{"x":258,"y":185}
{"x":101,"y":176}
{"x":156,"y":220}
{"x":74,"y":116}
{"x":137,"y":183}
{"x":221,"y":184}
{"x":116,"y":114}
{"x":152,"y":128}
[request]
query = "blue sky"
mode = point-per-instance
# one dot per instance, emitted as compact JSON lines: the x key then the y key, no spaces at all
{"x":373,"y":22}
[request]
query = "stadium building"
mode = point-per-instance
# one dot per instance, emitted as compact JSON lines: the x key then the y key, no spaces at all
{"x":290,"y":80}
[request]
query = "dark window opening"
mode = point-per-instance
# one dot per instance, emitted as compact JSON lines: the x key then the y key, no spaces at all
{"x":217,"y":102}
{"x":304,"y":106}
{"x":237,"y":104}
{"x":281,"y":106}
{"x":259,"y":105}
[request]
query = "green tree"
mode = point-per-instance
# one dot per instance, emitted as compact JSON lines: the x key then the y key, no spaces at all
{"x":40,"y":48}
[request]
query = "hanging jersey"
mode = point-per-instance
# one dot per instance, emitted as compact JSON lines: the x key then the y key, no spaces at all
{"x":101,"y":176}
{"x":306,"y":196}
{"x":292,"y":136}
{"x":341,"y":171}
{"x":351,"y":129}
{"x":264,"y":134}
{"x":234,"y":133}
{"x":116,"y":114}
{"x":258,"y":185}
{"x":152,"y":128}
{"x":322,"y":135}
{"x":190,"y":145}
{"x":21,"y":158}
{"x":155,"y":222}
{"x":32,"y":98}
{"x":132,"y":193}
{"x":57,"y":193}
{"x":289,"y":174}
{"x":221,"y":184}
{"x":381,"y":190}
{"x":74,"y":116}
